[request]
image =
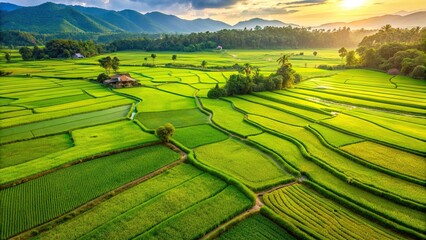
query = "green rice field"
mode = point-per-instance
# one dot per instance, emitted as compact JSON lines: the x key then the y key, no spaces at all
{"x":340,"y":155}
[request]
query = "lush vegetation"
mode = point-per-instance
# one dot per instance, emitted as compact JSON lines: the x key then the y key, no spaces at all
{"x":353,"y":138}
{"x":254,"y":168}
{"x":77,"y":185}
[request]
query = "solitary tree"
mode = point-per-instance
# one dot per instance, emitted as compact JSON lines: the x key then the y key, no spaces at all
{"x":7,"y":56}
{"x":174,"y":57}
{"x":204,"y":63}
{"x":343,"y":52}
{"x":106,"y":63}
{"x":165,"y":132}
{"x":145,"y":59}
{"x":315,"y":53}
{"x":153,"y":56}
{"x":115,"y":64}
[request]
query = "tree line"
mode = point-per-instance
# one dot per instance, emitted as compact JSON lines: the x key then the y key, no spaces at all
{"x":250,"y":80}
{"x":394,"y":50}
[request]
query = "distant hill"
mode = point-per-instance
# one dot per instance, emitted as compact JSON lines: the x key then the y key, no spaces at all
{"x":52,"y":18}
{"x":7,"y":7}
{"x":252,"y":23}
{"x":407,"y":21}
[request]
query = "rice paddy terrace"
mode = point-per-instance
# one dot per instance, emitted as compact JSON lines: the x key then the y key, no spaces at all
{"x":341,"y":155}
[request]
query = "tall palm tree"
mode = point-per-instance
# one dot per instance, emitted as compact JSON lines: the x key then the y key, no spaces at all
{"x":204,"y":63}
{"x":283,"y":59}
{"x":153,"y":56}
{"x":246,"y":69}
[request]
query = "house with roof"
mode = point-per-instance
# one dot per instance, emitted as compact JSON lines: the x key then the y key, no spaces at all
{"x":78,"y":55}
{"x":121,"y":81}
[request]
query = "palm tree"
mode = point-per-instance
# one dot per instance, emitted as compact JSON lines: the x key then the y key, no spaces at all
{"x":153,"y":56}
{"x":283,"y":60}
{"x":204,"y":63}
{"x":246,"y":68}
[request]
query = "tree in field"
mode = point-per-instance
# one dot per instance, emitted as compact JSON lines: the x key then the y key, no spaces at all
{"x":8,"y":57}
{"x":204,"y":64}
{"x":106,"y":63}
{"x":174,"y":57}
{"x":283,"y":60}
{"x":216,"y":92}
{"x":315,"y":53}
{"x":343,"y":52}
{"x":102,"y":77}
{"x":246,"y":69}
{"x":26,"y":53}
{"x":115,"y":64}
{"x":351,"y":59}
{"x":145,"y":59}
{"x":153,"y":56}
{"x":165,"y":132}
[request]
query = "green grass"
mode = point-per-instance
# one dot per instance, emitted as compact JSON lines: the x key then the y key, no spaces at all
{"x":177,"y":88}
{"x":88,"y":142}
{"x":247,"y":164}
{"x":390,"y":158}
{"x":370,"y":130}
{"x":343,"y":165}
{"x":154,"y":100}
{"x":54,"y":194}
{"x":385,"y":208}
{"x":196,"y":221}
{"x":64,"y":124}
{"x":123,"y":202}
{"x":198,"y":135}
{"x":256,"y":227}
{"x":320,"y":217}
{"x":334,"y":137}
{"x":179,"y":118}
{"x":46,"y":104}
{"x":18,"y":113}
{"x":262,"y":110}
{"x":158,"y":209}
{"x":20,"y":152}
{"x":226,"y":117}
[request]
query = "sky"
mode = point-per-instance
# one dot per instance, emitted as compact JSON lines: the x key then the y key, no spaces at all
{"x":301,"y":12}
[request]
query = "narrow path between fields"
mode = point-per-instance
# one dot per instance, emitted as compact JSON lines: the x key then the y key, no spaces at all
{"x":94,"y":202}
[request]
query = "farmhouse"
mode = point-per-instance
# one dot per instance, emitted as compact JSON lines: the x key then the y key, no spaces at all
{"x":121,"y":80}
{"x":78,"y":55}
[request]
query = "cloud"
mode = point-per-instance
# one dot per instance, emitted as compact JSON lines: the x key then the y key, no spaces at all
{"x":310,"y":2}
{"x":194,"y":4}
{"x":202,"y":4}
{"x":267,"y":11}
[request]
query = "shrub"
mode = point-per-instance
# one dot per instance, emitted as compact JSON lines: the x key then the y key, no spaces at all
{"x":419,"y":72}
{"x":4,"y":73}
{"x":216,"y":92}
{"x":102,"y":77}
{"x":165,"y":132}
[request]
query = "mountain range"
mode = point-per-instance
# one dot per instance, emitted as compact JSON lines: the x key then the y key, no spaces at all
{"x":398,"y":21}
{"x":51,"y":18}
{"x":55,"y":18}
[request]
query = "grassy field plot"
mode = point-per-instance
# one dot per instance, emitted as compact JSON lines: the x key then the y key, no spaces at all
{"x":370,"y":130}
{"x":226,"y":117}
{"x":64,"y":124}
{"x":154,"y":100}
{"x":389,"y":210}
{"x":179,"y":118}
{"x":87,"y":142}
{"x":390,"y":158}
{"x":195,"y":136}
{"x":56,"y":193}
{"x":247,"y":164}
{"x":256,"y":227}
{"x":346,"y":166}
{"x":321,"y":218}
{"x":20,"y":152}
{"x":177,"y":88}
{"x":334,"y":137}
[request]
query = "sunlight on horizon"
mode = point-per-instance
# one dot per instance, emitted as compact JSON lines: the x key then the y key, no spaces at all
{"x":351,"y":4}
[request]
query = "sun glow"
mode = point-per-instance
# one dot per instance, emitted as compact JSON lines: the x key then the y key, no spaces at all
{"x":351,"y":4}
